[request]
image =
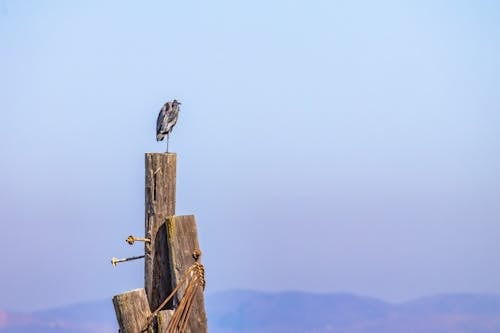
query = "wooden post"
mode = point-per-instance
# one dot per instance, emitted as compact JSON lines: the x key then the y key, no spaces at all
{"x":132,"y":311}
{"x":160,"y":204}
{"x":168,"y":255}
{"x":182,"y":240}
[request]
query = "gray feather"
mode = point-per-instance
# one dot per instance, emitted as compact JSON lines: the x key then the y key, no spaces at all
{"x":167,"y":118}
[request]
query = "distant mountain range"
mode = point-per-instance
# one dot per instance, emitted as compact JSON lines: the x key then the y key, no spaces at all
{"x":290,"y":312}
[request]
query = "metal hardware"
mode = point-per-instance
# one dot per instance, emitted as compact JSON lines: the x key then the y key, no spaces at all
{"x":131,"y":239}
{"x":115,"y":261}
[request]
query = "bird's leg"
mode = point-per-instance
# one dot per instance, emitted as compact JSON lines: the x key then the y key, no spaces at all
{"x":168,"y":136}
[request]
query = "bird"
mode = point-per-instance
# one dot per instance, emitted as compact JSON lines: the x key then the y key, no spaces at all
{"x":167,"y":118}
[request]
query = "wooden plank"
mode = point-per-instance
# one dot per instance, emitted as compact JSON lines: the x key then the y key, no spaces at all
{"x":132,"y":310}
{"x":160,"y":204}
{"x":163,"y":319}
{"x":182,"y":241}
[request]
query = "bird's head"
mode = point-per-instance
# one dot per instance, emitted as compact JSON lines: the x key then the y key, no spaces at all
{"x":176,"y":102}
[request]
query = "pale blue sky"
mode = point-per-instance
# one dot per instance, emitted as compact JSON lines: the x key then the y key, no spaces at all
{"x":322,"y":145}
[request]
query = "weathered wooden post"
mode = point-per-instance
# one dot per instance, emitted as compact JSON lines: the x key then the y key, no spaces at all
{"x":132,"y":310}
{"x":169,"y":244}
{"x":160,"y":205}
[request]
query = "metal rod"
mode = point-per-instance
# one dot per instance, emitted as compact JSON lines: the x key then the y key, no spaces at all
{"x":115,"y":261}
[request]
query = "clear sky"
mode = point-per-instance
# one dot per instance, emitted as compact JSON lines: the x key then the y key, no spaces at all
{"x":327,"y":146}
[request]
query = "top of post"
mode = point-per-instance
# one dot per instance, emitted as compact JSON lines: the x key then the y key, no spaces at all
{"x":164,"y":153}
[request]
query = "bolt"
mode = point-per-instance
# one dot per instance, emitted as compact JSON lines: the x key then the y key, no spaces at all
{"x":196,"y":254}
{"x":115,"y":261}
{"x":131,"y":239}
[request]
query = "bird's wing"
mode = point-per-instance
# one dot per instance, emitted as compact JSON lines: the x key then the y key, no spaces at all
{"x":160,"y":122}
{"x":173,"y":114}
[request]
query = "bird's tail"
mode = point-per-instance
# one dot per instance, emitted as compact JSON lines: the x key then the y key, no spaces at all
{"x":160,"y":136}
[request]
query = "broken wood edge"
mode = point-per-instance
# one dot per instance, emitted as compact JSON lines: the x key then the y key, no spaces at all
{"x":132,"y":311}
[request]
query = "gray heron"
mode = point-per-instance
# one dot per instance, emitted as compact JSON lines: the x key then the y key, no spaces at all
{"x":167,"y":120}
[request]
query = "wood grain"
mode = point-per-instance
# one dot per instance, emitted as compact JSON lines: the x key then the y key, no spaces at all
{"x":182,"y":241}
{"x":132,"y":311}
{"x":159,"y":205}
